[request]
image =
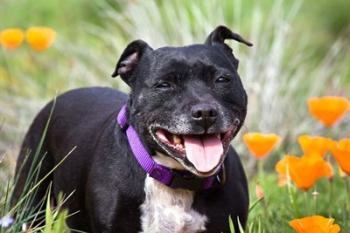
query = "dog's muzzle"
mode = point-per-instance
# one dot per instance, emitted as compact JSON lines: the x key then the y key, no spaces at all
{"x":165,"y":175}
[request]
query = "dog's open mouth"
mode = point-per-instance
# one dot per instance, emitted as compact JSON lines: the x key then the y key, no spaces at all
{"x":205,"y":151}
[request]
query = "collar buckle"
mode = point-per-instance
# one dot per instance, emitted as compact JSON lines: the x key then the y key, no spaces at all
{"x":162,"y":174}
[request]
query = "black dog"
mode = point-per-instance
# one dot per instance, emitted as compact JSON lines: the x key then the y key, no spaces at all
{"x":186,"y":105}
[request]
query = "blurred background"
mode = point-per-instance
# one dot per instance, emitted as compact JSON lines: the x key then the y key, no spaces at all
{"x":301,"y":49}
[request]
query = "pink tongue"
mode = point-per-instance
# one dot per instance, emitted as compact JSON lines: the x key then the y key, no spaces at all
{"x":203,"y":152}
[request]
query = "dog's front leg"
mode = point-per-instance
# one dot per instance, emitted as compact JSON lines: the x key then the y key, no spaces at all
{"x":113,"y":198}
{"x":101,"y":203}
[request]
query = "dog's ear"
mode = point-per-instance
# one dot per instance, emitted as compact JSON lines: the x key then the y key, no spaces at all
{"x":129,"y":60}
{"x":221,"y":33}
{"x":218,"y":37}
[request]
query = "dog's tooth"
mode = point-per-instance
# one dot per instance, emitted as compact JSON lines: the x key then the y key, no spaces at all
{"x":176,"y":139}
{"x":218,"y":136}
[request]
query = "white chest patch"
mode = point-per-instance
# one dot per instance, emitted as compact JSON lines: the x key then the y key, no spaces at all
{"x":168,"y":210}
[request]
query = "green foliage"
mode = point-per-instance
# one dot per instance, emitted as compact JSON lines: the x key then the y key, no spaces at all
{"x":328,"y":198}
{"x":28,"y":218}
{"x":55,"y":220}
{"x":49,"y":13}
{"x":232,"y":229}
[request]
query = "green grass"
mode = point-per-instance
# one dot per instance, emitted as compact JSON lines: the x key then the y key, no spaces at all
{"x":54,"y":217}
{"x":282,"y":204}
{"x":301,"y":49}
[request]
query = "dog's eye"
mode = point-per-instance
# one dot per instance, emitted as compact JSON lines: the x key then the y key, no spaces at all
{"x":162,"y":85}
{"x":223,"y":79}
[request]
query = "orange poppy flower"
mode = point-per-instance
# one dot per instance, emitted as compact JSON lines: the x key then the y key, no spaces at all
{"x":303,"y":171}
{"x":341,"y":153}
{"x":314,"y":224}
{"x":328,"y":109}
{"x":40,"y":38}
{"x":314,"y":144}
{"x":11,"y":38}
{"x":260,"y":144}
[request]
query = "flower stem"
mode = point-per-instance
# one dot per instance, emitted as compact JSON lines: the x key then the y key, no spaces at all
{"x":347,"y":185}
{"x":330,"y":197}
{"x":292,"y":195}
{"x":305,"y":194}
{"x":315,"y":195}
{"x":261,"y":169}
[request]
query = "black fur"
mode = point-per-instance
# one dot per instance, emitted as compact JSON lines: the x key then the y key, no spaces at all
{"x":167,"y":84}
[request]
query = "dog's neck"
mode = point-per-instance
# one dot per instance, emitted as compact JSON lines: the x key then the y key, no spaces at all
{"x":167,"y":161}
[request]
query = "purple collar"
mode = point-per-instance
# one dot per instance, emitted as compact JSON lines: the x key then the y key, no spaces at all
{"x":165,"y":175}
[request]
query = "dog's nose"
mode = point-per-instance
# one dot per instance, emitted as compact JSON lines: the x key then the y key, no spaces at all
{"x":204,"y":114}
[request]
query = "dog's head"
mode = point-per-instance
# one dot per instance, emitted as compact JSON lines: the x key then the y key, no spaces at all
{"x":186,"y":102}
